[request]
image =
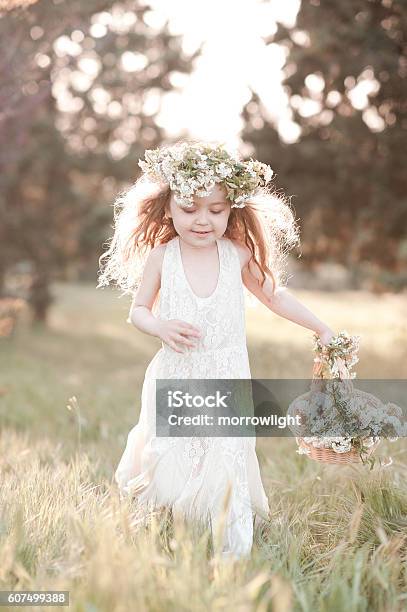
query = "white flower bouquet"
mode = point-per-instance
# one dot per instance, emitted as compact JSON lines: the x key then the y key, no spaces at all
{"x":341,"y":424}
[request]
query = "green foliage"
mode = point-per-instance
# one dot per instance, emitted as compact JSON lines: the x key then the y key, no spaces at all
{"x":81,"y":87}
{"x":346,"y":169}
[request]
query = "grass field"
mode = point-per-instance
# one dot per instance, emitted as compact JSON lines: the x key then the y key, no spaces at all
{"x":337,"y":539}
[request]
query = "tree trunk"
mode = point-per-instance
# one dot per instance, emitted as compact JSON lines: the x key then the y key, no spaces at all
{"x":2,"y":278}
{"x":40,"y":296}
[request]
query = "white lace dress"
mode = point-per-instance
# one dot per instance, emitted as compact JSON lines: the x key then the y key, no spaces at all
{"x":193,"y":475}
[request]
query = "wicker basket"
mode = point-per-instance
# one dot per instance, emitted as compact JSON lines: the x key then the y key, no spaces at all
{"x":328,"y":455}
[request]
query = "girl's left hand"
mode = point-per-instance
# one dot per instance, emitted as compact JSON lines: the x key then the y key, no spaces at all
{"x":326,"y":336}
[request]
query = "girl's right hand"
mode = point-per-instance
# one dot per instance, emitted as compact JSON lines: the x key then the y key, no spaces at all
{"x":175,"y":333}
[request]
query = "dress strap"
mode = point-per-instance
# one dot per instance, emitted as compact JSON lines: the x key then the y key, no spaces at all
{"x":168,"y":278}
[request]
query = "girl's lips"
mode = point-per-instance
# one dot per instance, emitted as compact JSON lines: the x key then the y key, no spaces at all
{"x":195,"y":232}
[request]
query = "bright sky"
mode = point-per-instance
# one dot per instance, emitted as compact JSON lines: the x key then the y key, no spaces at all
{"x":234,"y":58}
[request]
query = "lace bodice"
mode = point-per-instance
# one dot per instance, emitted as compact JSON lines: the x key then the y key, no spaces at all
{"x":220,"y":317}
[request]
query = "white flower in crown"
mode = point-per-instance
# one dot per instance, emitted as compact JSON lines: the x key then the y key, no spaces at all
{"x":186,"y":189}
{"x":223,"y":170}
{"x":195,"y":169}
{"x":240,"y":201}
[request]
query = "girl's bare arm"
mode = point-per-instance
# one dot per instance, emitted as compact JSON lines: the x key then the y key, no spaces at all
{"x":281,"y":302}
{"x":140,"y":314}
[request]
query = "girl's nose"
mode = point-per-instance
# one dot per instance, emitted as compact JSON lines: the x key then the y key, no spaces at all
{"x":202,"y":218}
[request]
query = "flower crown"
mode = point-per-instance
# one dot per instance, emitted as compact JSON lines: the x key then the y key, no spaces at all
{"x":195,"y":168}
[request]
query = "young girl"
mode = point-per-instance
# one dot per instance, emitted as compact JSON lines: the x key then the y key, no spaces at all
{"x":198,"y":227}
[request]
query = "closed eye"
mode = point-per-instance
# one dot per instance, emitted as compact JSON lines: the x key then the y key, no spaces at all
{"x":215,"y":212}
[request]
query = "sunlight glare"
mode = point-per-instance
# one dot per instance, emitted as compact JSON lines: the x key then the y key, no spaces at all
{"x":234,"y":59}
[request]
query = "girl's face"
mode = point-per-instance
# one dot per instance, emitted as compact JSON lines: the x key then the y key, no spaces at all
{"x":205,"y":221}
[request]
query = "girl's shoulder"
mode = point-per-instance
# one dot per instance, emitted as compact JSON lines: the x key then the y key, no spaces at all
{"x":156,"y":256}
{"x":243,"y":251}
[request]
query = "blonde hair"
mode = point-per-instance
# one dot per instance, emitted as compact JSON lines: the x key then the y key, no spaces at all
{"x":266,"y":225}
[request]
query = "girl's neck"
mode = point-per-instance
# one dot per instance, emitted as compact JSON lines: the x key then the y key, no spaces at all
{"x":197,"y":248}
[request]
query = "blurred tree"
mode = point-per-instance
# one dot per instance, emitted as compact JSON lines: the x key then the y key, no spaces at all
{"x":9,"y":5}
{"x":345,"y":77}
{"x":81,"y":86}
